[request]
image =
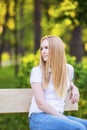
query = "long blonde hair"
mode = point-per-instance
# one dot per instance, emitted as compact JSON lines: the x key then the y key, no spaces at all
{"x":57,"y":63}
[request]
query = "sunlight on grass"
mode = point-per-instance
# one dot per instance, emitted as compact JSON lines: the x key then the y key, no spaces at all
{"x":7,"y":78}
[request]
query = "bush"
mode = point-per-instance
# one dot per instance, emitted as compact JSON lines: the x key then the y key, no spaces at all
{"x":80,"y":80}
{"x":80,"y":72}
{"x":28,"y":62}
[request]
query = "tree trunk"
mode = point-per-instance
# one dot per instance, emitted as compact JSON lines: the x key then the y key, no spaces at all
{"x":21,"y":32}
{"x":16,"y":39}
{"x":76,"y":46}
{"x":3,"y":41}
{"x":37,"y":27}
{"x":1,"y":50}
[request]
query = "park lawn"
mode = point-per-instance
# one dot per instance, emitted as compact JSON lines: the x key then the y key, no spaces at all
{"x":7,"y":77}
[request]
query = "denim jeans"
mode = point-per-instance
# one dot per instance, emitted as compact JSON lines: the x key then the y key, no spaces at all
{"x":43,"y":121}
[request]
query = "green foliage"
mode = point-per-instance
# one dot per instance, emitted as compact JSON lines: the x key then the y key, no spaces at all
{"x":17,"y":16}
{"x":80,"y":71}
{"x":17,"y":121}
{"x":24,"y":73}
{"x":80,"y":80}
{"x":5,"y":56}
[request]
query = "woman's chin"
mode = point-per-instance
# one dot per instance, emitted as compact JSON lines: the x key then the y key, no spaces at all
{"x":44,"y":60}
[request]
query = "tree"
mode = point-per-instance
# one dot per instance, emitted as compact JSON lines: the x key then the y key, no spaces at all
{"x":37,"y":26}
{"x":74,"y":12}
{"x":76,"y":45}
{"x":76,"y":40}
{"x":16,"y":38}
{"x":3,"y":40}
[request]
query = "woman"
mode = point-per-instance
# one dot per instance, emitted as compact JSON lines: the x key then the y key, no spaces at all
{"x":50,"y":82}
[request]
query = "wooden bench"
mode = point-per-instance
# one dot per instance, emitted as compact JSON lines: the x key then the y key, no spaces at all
{"x":19,"y":100}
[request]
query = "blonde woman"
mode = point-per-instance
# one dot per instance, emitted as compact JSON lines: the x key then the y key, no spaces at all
{"x":50,"y":82}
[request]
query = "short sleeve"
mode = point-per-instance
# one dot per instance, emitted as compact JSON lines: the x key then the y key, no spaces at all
{"x":71,"y":71}
{"x":36,"y":75}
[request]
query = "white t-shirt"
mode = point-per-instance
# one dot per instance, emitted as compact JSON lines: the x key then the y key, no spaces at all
{"x":50,"y":95}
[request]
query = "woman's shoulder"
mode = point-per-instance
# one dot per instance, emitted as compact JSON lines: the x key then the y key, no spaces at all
{"x":36,"y":75}
{"x":71,"y":71}
{"x":70,"y":67}
{"x":36,"y":68}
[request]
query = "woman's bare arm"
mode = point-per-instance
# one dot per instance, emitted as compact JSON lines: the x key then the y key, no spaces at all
{"x":41,"y":102}
{"x":74,"y":93}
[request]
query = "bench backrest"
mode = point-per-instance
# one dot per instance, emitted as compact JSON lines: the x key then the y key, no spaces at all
{"x":19,"y":100}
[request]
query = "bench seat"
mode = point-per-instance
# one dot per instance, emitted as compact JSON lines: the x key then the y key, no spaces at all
{"x":18,"y":100}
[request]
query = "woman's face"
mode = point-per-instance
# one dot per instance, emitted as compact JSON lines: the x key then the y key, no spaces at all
{"x":44,"y":49}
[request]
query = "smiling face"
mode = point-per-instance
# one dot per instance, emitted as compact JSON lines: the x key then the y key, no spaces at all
{"x":44,"y":49}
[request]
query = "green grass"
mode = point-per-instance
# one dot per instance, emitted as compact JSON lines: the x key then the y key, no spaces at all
{"x":7,"y":77}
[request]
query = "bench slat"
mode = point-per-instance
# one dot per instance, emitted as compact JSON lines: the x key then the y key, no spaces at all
{"x":15,"y":100}
{"x":18,"y":101}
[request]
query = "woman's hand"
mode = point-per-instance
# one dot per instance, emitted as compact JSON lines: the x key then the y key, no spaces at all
{"x":74,"y":96}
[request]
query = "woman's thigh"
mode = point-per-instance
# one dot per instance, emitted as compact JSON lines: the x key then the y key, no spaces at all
{"x":83,"y":121}
{"x":44,"y":121}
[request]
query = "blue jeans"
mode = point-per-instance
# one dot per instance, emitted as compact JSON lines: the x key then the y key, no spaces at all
{"x":43,"y":121}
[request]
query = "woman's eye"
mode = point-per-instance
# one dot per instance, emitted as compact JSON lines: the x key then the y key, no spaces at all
{"x":41,"y":48}
{"x":46,"y":47}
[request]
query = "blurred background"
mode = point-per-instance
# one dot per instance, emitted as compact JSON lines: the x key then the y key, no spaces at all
{"x":22,"y":24}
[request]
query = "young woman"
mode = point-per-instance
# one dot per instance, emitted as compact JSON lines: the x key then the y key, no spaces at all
{"x":50,"y":82}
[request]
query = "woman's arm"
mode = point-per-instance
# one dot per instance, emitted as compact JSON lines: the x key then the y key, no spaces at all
{"x":41,"y":102}
{"x":74,"y":96}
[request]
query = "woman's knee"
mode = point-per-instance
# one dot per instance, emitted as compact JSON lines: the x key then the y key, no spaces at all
{"x":81,"y":127}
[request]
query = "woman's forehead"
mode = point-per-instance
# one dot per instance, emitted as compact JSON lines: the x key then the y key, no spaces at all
{"x":44,"y":42}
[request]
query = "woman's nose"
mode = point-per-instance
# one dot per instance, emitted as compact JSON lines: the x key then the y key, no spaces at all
{"x":43,"y":50}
